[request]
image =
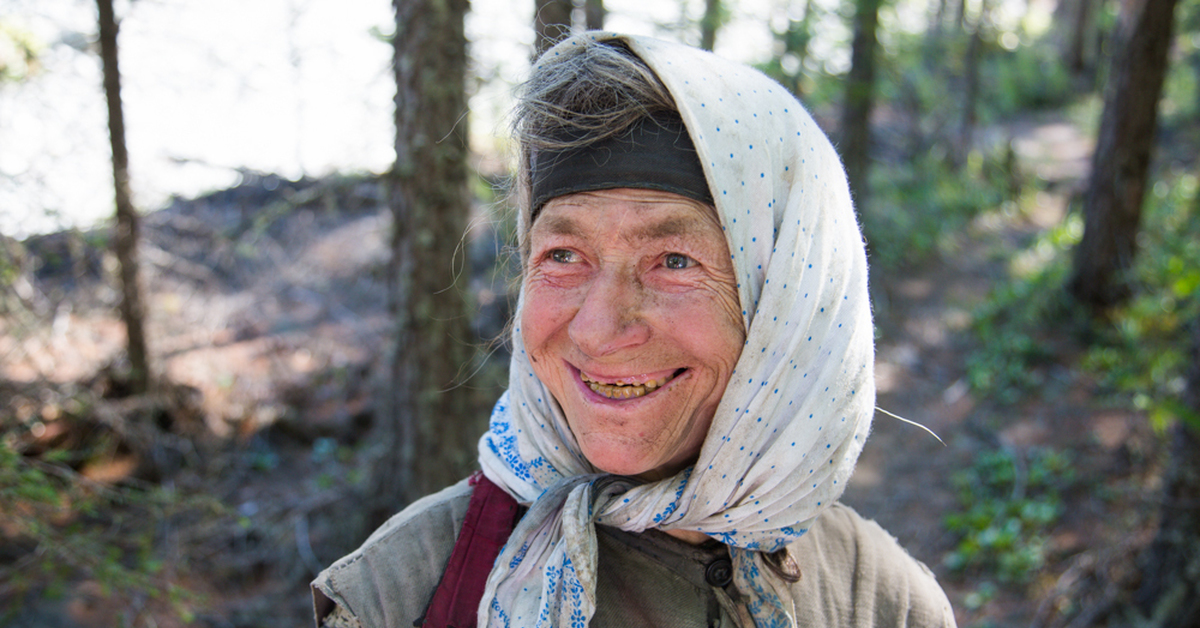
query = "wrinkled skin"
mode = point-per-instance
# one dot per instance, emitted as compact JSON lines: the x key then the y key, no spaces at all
{"x":631,"y":319}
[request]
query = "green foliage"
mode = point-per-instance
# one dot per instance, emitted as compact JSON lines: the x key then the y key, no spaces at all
{"x":1143,"y":355}
{"x":10,"y":267}
{"x":1026,"y":78}
{"x":789,"y":66}
{"x":918,"y":208}
{"x":56,"y":513}
{"x":19,"y":52}
{"x":1020,"y":327}
{"x":1140,"y":353}
{"x":975,"y":600}
{"x":1008,"y":505}
{"x":61,"y":527}
{"x":1180,"y":104}
{"x":922,"y":71}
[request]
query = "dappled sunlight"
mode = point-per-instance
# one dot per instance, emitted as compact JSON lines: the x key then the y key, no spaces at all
{"x":1055,"y":150}
{"x":271,"y":306}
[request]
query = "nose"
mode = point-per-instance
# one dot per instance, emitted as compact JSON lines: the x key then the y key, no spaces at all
{"x":610,"y":318}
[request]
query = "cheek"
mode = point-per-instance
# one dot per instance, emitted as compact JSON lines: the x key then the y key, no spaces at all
{"x":709,"y":324}
{"x":543,"y":313}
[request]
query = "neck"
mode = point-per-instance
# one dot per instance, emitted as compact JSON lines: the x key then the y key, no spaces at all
{"x":689,"y":536}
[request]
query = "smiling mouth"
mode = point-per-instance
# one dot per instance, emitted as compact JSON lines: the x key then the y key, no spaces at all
{"x":628,"y":391}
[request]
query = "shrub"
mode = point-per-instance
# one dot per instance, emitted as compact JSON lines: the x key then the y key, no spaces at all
{"x":1008,"y":504}
{"x":1144,"y":353}
{"x":918,"y":210}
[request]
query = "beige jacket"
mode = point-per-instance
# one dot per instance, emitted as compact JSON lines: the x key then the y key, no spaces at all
{"x":853,"y":574}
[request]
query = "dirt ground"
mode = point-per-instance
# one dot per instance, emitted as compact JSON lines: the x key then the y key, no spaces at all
{"x":270,"y":306}
{"x":903,"y":479}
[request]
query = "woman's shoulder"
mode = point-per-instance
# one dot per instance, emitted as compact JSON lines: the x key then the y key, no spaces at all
{"x":389,"y":579}
{"x":854,"y":573}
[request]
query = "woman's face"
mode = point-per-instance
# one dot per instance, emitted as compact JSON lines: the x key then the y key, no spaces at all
{"x":631,"y":319}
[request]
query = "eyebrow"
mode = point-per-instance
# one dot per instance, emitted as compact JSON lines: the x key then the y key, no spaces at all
{"x":667,"y":228}
{"x":558,"y":225}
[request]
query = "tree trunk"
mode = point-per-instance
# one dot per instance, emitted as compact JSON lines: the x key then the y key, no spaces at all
{"x":1170,"y":589}
{"x":939,"y":19}
{"x":594,"y":12}
{"x":427,"y":427}
{"x":796,"y":42}
{"x":1077,"y":61}
{"x":1194,"y":59}
{"x":1112,"y":207}
{"x":860,"y":99}
{"x":551,"y":22}
{"x":710,"y":23}
{"x":966,"y":129}
{"x":125,"y":242}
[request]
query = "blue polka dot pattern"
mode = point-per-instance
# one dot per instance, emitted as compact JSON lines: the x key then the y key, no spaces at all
{"x":800,"y":410}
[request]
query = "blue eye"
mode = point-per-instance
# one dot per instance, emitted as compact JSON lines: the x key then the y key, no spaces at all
{"x":678,"y":261}
{"x":562,"y":256}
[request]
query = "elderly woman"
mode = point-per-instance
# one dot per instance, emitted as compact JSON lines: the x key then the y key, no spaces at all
{"x":691,"y":381}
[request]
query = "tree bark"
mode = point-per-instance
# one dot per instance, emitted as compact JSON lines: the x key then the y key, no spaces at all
{"x":595,"y":13}
{"x":1170,"y":589}
{"x":860,"y":100}
{"x":804,"y":39}
{"x":795,"y":42}
{"x":939,"y":19}
{"x":966,"y":129}
{"x":1077,"y":61}
{"x":551,"y":22}
{"x":428,"y":428}
{"x":710,"y":23}
{"x":125,"y":242}
{"x":1112,"y":207}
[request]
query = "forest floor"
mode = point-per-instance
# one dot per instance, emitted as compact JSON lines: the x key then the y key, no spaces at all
{"x":267,"y":310}
{"x":906,"y":479}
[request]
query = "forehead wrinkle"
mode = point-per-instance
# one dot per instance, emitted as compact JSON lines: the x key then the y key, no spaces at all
{"x":670,"y":227}
{"x":569,"y":219}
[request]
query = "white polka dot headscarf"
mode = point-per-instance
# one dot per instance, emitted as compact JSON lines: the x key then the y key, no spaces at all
{"x":797,"y":409}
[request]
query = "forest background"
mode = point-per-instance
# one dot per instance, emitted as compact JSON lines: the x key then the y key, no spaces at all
{"x":208,"y":398}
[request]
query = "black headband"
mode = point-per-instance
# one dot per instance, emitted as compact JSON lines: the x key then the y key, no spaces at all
{"x":655,"y":153}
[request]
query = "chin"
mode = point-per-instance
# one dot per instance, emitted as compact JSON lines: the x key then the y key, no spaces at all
{"x":617,"y":460}
{"x":614,"y":460}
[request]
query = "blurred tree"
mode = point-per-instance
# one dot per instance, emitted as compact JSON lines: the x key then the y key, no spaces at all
{"x":793,"y":40}
{"x":594,"y":13}
{"x":710,"y":23}
{"x":796,"y":41}
{"x":1112,"y":206}
{"x":970,"y":101}
{"x":1170,"y":588}
{"x":1077,"y":49}
{"x":960,"y":16}
{"x":859,"y":101}
{"x":19,"y":52}
{"x":551,"y":22}
{"x":1189,"y":24}
{"x":1079,"y":31}
{"x":938,"y":19}
{"x":427,"y":430}
{"x":125,"y":242}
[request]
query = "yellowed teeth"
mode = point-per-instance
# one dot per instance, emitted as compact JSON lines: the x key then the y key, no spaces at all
{"x":622,"y":390}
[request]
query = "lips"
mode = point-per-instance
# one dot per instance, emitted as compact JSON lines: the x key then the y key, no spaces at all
{"x":627,"y":387}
